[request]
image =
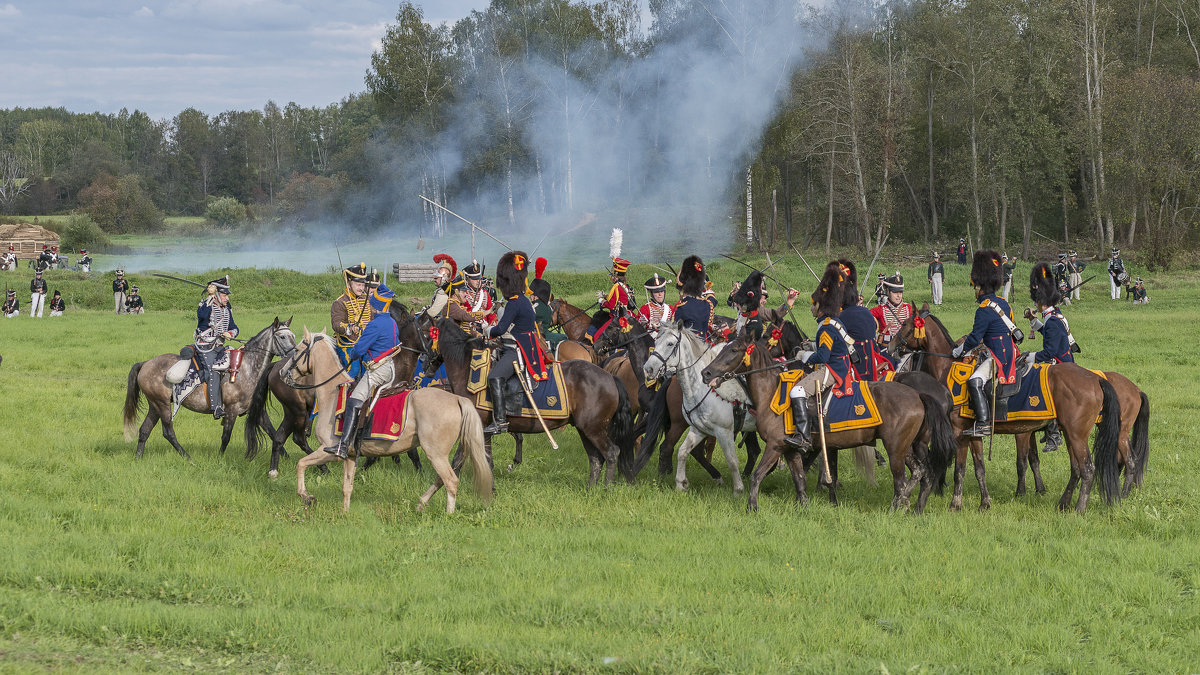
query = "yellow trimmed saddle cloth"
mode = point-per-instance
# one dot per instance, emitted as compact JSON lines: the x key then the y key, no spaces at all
{"x":856,"y":410}
{"x":386,"y":421}
{"x":549,"y":394}
{"x":1032,"y":401}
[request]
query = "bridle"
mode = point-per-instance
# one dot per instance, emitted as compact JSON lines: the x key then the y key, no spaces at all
{"x":557,"y":303}
{"x":306,"y":354}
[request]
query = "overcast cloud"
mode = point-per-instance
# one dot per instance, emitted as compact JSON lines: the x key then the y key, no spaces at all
{"x":214,"y":55}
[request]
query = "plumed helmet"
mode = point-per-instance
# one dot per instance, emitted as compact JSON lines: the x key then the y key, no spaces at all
{"x":831,"y":289}
{"x":1042,"y":288}
{"x":850,"y":285}
{"x":473,"y":271}
{"x":539,"y":286}
{"x":355,"y":273}
{"x":986,"y":272}
{"x":894,"y":283}
{"x":444,"y":261}
{"x":511,"y":272}
{"x":692,"y":277}
{"x":749,"y":295}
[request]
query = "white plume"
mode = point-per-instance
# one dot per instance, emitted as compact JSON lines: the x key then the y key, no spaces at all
{"x":614,"y":242}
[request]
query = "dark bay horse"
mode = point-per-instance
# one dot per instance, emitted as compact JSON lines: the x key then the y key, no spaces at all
{"x":1079,"y":397}
{"x":574,"y":322}
{"x":599,"y":404}
{"x":148,"y":378}
{"x":297,"y":404}
{"x":907,"y":416}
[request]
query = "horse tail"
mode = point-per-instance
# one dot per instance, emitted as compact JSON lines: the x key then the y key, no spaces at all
{"x":1107,"y":449}
{"x":133,"y":400}
{"x":470,"y":435}
{"x":620,"y":430}
{"x":253,"y":432}
{"x":942,"y":444}
{"x":1139,"y":449}
{"x":657,"y":419}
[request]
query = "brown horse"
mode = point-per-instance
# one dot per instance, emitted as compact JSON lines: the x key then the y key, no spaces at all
{"x":599,"y":405}
{"x":297,"y":404}
{"x":149,"y":378}
{"x":908,"y":416}
{"x":1077,"y":400}
{"x":574,"y":322}
{"x":433,"y":418}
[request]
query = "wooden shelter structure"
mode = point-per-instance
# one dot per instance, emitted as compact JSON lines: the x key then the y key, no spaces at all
{"x":27,"y":239}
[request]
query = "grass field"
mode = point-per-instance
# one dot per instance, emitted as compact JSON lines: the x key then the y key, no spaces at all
{"x":113,"y":564}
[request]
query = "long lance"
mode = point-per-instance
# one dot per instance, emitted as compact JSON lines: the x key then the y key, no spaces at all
{"x":473,"y":225}
{"x":1081,"y":283}
{"x":339,"y":253}
{"x":1045,"y":237}
{"x":784,"y":290}
{"x":810,"y":269}
{"x":539,"y":244}
{"x":877,"y":252}
{"x":186,"y":281}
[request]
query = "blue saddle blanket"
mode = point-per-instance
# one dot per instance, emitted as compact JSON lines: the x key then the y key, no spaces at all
{"x":1031,"y":402}
{"x":550,"y":394}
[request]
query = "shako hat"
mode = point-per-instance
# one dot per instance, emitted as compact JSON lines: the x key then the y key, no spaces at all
{"x":1042,"y":288}
{"x":656,"y":283}
{"x":692,"y":277}
{"x":620,"y":265}
{"x":473,"y":271}
{"x":1062,"y":256}
{"x":1116,"y":252}
{"x":219,"y":285}
{"x":894,"y":283}
{"x":539,"y":286}
{"x":355,"y":273}
{"x":380,"y":296}
{"x":936,"y":256}
{"x":511,"y":272}
{"x":986,"y":273}
{"x":120,"y":272}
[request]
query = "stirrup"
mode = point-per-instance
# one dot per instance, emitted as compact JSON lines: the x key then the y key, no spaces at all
{"x":496,"y":427}
{"x":980,"y":430}
{"x":338,"y":451}
{"x":798,"y":441}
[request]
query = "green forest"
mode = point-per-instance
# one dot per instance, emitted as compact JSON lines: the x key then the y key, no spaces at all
{"x":1012,"y":123}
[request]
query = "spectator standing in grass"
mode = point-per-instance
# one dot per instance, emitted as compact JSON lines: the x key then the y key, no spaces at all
{"x":120,"y":287}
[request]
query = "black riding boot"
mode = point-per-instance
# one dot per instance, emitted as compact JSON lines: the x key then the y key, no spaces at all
{"x":983,"y":409}
{"x":1052,"y":437}
{"x":214,"y":393}
{"x":800,"y":439}
{"x":499,"y":423}
{"x":349,"y":429}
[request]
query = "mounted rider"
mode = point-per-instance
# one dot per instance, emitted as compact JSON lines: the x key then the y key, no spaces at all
{"x":374,"y":349}
{"x":693,"y":310}
{"x":214,"y":325}
{"x":995,"y":331}
{"x":750,"y":298}
{"x":445,"y":278}
{"x":1058,"y":345}
{"x":832,"y":348}
{"x":656,"y":312}
{"x":620,"y":296}
{"x":894,"y":311}
{"x":349,"y":314}
{"x":1117,"y":275}
{"x":861,"y":325}
{"x":518,"y":329}
{"x":540,"y":296}
{"x":475,"y":298}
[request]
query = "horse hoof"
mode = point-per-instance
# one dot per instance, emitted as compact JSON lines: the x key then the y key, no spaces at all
{"x":308,"y":500}
{"x":682,"y":487}
{"x":510,"y":468}
{"x":720,"y":481}
{"x":985,"y":506}
{"x":272,"y":474}
{"x":956,"y":505}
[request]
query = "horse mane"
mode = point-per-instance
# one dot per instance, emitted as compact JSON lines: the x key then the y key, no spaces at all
{"x":791,"y":336}
{"x":454,"y":343}
{"x":938,"y":323}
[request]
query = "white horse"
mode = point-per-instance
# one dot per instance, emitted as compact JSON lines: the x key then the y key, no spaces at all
{"x":709,"y":412}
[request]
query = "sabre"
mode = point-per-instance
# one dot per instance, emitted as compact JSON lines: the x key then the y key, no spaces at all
{"x":339,"y":252}
{"x":186,"y":281}
{"x":751,"y":267}
{"x":539,"y":244}
{"x":1045,"y":237}
{"x":821,"y":430}
{"x":810,"y":269}
{"x":473,"y":225}
{"x":532,"y":404}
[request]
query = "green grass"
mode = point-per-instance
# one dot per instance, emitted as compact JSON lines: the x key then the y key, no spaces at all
{"x":113,"y":564}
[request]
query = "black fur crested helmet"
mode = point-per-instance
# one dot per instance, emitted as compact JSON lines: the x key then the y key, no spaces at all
{"x":511,"y":271}
{"x":749,"y":295}
{"x":692,"y":277}
{"x":1042,"y":288}
{"x":987,"y":274}
{"x":850,"y":287}
{"x":831,"y":290}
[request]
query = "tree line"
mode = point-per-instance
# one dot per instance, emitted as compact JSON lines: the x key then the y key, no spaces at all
{"x":1007,"y":122}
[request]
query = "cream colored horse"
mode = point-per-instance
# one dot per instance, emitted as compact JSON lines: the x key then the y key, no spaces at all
{"x":433,"y":418}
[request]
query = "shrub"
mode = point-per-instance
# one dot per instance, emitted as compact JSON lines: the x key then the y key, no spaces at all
{"x":120,"y":205}
{"x":225,"y":211}
{"x":81,"y":232}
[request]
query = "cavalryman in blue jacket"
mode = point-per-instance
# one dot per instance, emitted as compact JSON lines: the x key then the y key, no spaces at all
{"x":995,"y":331}
{"x":1058,"y":345}
{"x":860,"y":325}
{"x":693,"y":311}
{"x":518,"y":323}
{"x":214,"y":325}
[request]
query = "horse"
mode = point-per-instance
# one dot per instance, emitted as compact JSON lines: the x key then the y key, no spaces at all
{"x":148,"y":378}
{"x":660,"y":406}
{"x":908,"y":416}
{"x":297,"y":404}
{"x":599,"y":404}
{"x":1079,"y":397}
{"x":574,"y":322}
{"x":708,"y":411}
{"x":434,"y":418}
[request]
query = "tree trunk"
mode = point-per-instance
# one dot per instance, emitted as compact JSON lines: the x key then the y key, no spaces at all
{"x":1026,"y":226}
{"x":933,"y":209}
{"x":749,"y":207}
{"x":829,"y":220}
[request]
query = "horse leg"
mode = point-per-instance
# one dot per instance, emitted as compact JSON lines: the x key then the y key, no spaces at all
{"x":438,"y":459}
{"x":414,"y":456}
{"x":709,"y":446}
{"x":799,"y":479}
{"x":1064,"y":502}
{"x":1035,"y":465}
{"x":311,"y":459}
{"x":168,"y":431}
{"x":985,"y":499}
{"x":349,"y":466}
{"x":729,"y":447}
{"x":670,"y":438}
{"x":1022,"y":461}
{"x":750,"y":438}
{"x":960,"y":472}
{"x":1087,"y":470}
{"x":769,"y":458}
{"x":519,"y":439}
{"x":227,"y":430}
{"x":146,"y":428}
{"x":693,"y":439}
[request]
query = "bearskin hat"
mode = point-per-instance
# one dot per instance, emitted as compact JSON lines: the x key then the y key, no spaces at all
{"x":850,"y":288}
{"x":832,"y":289}
{"x":539,"y":286}
{"x":1042,"y":288}
{"x":986,"y":272}
{"x":511,"y":272}
{"x":748,"y":296}
{"x":692,"y":277}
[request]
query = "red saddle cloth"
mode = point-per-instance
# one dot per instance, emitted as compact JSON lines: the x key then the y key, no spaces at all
{"x":387,"y":416}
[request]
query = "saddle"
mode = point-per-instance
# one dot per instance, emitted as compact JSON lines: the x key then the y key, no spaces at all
{"x":186,"y":376}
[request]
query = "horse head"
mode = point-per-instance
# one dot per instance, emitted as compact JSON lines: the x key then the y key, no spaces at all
{"x":743,"y":354}
{"x":664,"y":355}
{"x":283,"y":340}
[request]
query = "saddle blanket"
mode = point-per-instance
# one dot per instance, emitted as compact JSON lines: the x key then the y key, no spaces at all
{"x":1031,"y":402}
{"x":550,"y":394}
{"x":856,"y":410}
{"x":422,"y":379}
{"x":386,"y":420}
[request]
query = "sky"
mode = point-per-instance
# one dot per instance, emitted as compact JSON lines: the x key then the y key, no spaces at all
{"x":164,"y":56}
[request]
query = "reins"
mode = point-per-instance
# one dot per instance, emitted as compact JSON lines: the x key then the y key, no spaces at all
{"x":291,"y":381}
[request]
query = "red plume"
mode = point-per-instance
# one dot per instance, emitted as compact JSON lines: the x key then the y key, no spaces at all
{"x":539,"y":266}
{"x":445,"y":257}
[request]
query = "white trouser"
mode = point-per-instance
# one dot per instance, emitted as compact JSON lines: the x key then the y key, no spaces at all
{"x":55,"y":312}
{"x":1114,"y":288}
{"x":1076,"y":277}
{"x":1007,"y":288}
{"x":137,"y":310}
{"x":936,"y":287}
{"x":119,"y":302}
{"x":376,"y":377}
{"x":10,"y":315}
{"x":36,"y":304}
{"x":807,"y":386}
{"x":984,"y":370}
